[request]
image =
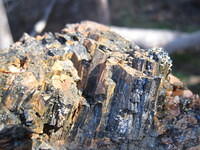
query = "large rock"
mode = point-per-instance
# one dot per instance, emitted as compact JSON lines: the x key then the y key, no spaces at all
{"x":88,"y":88}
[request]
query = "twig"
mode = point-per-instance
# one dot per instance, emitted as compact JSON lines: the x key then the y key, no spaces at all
{"x":41,"y":24}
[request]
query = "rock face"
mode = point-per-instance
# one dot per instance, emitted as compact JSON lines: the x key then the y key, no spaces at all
{"x":88,"y":88}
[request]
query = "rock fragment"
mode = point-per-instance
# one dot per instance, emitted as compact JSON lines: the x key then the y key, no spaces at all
{"x":88,"y":88}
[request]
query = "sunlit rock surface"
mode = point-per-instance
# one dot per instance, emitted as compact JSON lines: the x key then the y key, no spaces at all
{"x":88,"y":88}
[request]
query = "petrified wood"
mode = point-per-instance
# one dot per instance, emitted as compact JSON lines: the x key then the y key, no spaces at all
{"x":88,"y":88}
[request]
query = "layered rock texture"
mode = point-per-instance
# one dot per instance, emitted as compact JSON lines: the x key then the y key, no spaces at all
{"x":87,"y":88}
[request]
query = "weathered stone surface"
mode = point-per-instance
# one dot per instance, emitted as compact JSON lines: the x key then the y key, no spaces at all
{"x":177,"y":120}
{"x":88,"y":88}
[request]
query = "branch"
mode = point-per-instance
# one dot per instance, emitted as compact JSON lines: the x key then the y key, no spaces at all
{"x":41,"y":24}
{"x":185,"y":42}
{"x":172,"y":41}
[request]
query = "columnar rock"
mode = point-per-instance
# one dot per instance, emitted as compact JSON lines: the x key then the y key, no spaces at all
{"x":88,"y":88}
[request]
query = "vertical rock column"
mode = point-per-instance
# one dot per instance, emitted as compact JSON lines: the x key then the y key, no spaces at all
{"x":121,"y":86}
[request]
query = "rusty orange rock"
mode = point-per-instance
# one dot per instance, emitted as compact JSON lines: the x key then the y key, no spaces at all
{"x":89,"y":88}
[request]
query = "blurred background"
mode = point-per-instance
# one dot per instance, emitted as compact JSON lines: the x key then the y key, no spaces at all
{"x":172,"y":24}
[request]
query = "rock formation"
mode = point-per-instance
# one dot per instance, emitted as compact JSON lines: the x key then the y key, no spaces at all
{"x":87,"y":88}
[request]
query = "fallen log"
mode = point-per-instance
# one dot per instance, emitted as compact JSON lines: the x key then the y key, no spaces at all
{"x":89,"y":88}
{"x":172,"y":41}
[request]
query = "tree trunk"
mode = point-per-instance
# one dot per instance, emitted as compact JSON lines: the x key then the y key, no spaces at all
{"x":88,"y":88}
{"x":103,"y":11}
{"x":5,"y":34}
